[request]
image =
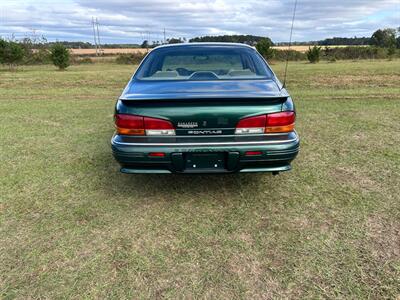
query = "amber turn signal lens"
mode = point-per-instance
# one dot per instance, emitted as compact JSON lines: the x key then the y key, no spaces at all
{"x":129,"y":131}
{"x":277,"y":129}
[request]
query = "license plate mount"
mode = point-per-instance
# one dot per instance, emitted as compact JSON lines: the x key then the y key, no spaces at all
{"x":207,"y":160}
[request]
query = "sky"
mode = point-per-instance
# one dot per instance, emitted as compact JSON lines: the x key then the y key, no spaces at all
{"x":132,"y":21}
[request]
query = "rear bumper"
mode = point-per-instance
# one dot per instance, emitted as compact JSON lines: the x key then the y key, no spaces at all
{"x":277,"y":152}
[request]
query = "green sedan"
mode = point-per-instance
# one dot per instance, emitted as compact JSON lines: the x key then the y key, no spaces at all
{"x":204,"y":108}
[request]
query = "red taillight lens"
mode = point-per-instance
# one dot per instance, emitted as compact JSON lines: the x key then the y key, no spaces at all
{"x":280,"y":122}
{"x":129,"y":124}
{"x":258,"y":121}
{"x":153,"y":123}
{"x":252,"y":125}
{"x":272,"y":123}
{"x":138,"y":125}
{"x":155,"y":126}
{"x":281,"y":119}
{"x":129,"y":121}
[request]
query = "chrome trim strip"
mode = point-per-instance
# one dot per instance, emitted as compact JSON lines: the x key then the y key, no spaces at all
{"x":206,"y":144}
{"x":189,"y":136}
{"x":225,"y":135}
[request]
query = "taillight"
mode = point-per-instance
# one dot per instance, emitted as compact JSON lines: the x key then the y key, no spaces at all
{"x":272,"y":123}
{"x":129,"y":124}
{"x":155,"y":126}
{"x":138,"y":125}
{"x":280,"y":122}
{"x":251,"y":125}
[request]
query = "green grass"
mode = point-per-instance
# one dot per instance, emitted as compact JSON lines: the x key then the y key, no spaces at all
{"x":72,"y":226}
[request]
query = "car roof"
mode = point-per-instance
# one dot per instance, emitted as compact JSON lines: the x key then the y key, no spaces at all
{"x":207,"y":44}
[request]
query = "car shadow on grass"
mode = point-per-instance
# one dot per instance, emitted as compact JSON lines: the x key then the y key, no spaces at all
{"x":180,"y":186}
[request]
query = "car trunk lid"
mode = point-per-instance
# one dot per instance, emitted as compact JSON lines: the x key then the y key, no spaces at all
{"x":199,"y":117}
{"x":201,"y":108}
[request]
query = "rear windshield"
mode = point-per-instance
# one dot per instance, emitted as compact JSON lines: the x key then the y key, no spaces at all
{"x":203,"y":63}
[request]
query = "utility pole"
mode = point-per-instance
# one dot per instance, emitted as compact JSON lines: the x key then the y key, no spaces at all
{"x":94,"y":36}
{"x":165,"y":40}
{"x":148,"y":41}
{"x":98,"y":37}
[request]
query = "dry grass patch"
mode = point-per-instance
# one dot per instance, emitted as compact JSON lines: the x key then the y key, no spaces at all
{"x":384,"y":236}
{"x":358,"y":80}
{"x":354,"y":177}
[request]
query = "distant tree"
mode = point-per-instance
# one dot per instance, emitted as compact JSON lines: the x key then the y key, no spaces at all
{"x":174,"y":41}
{"x":264,"y":46}
{"x":313,"y":54}
{"x":398,"y":38}
{"x":36,"y":50}
{"x":384,"y":38}
{"x":3,"y":46}
{"x":155,"y":44}
{"x":244,"y":39}
{"x":60,"y":56}
{"x":391,"y":51}
{"x":11,"y":53}
{"x":353,"y":41}
{"x":145,"y":44}
{"x":74,"y":45}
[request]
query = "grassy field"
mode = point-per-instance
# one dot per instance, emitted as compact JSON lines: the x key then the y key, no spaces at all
{"x":72,"y":226}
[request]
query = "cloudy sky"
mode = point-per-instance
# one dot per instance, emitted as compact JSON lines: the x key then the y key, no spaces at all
{"x":131,"y":21}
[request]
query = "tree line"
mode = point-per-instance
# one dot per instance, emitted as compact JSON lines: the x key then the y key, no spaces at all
{"x":14,"y":53}
{"x":243,"y":39}
{"x":388,"y":37}
{"x":384,"y":43}
{"x":335,"y":41}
